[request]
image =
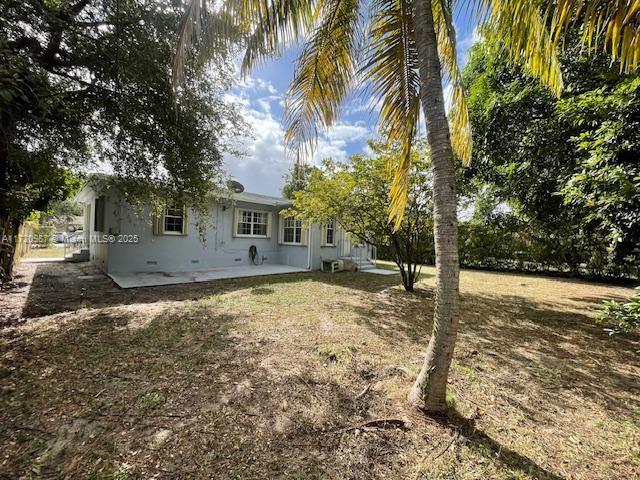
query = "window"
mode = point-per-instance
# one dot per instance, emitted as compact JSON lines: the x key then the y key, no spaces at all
{"x":329,"y":233}
{"x":292,"y":232}
{"x":173,"y":220}
{"x":98,"y":221}
{"x":252,"y":223}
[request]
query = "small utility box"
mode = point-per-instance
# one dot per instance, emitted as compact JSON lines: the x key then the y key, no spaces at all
{"x":331,"y":265}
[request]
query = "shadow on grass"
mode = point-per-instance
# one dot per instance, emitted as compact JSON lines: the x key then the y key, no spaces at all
{"x":482,"y":443}
{"x":525,"y":342}
{"x":110,"y":384}
{"x":185,"y":374}
{"x":57,"y":288}
{"x":182,"y":368}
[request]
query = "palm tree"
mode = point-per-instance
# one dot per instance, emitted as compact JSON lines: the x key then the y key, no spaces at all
{"x":402,"y":50}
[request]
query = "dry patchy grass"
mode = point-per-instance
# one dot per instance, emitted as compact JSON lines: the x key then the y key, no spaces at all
{"x":274,"y":377}
{"x":52,"y":251}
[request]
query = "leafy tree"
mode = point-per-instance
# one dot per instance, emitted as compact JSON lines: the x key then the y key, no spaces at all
{"x":85,"y":83}
{"x":606,"y":183}
{"x":566,"y":166}
{"x":62,"y":211}
{"x":402,"y":50}
{"x":297,"y":179}
{"x":355,"y":194}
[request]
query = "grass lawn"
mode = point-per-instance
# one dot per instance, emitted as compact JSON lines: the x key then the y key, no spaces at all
{"x":278,"y":377}
{"x":53,"y":251}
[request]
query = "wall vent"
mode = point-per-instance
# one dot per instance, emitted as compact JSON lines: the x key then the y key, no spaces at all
{"x":195,"y":261}
{"x":151,"y":262}
{"x":238,"y":259}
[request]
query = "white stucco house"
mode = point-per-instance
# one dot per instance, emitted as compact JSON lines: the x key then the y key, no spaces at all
{"x":246,"y":236}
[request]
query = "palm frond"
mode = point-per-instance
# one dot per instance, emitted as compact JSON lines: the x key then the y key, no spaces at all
{"x":221,"y":38}
{"x":323,"y":74}
{"x":617,"y":22}
{"x":520,"y":26}
{"x":461,"y":140}
{"x":188,"y":31}
{"x":391,"y":68}
{"x":275,"y":23}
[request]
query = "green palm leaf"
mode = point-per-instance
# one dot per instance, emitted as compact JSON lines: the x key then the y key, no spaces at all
{"x":459,"y":115}
{"x":324,"y":73}
{"x":531,"y":30}
{"x":391,"y":68}
{"x":520,"y":25}
{"x":276,"y":24}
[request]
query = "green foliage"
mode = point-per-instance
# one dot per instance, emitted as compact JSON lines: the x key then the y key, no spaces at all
{"x":607,"y":183}
{"x":562,"y":173}
{"x":624,"y":317}
{"x":296,"y":180}
{"x":62,"y":211}
{"x":42,"y":236}
{"x":82,"y":81}
{"x":356,"y":194}
{"x":86,"y":83}
{"x":505,"y":241}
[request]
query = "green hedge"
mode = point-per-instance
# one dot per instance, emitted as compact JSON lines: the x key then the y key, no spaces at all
{"x":506,"y":243}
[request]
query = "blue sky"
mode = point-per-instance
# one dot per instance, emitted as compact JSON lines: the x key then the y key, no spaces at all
{"x":262,"y":95}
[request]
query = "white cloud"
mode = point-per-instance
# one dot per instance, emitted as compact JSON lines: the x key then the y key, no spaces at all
{"x":265,"y":161}
{"x":261,"y":169}
{"x":465,"y":43}
{"x":359,"y":105}
{"x":264,"y":105}
{"x":254,"y":84}
{"x":345,"y":132}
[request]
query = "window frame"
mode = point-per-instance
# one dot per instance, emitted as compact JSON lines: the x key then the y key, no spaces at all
{"x":330,"y":226}
{"x":253,"y":211}
{"x":164,"y":219}
{"x":99,"y":212}
{"x":297,"y":224}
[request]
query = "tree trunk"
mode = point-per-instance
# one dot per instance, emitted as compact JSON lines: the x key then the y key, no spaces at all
{"x":429,"y":390}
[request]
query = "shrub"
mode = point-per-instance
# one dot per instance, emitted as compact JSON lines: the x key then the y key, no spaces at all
{"x":623,"y":317}
{"x":42,"y":236}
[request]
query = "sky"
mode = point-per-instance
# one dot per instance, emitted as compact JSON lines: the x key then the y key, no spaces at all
{"x":261,"y":96}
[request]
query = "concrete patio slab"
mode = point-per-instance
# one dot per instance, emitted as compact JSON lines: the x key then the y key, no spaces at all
{"x":153,"y":279}
{"x":381,"y":271}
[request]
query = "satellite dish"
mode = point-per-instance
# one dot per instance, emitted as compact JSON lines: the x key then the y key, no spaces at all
{"x":235,"y":186}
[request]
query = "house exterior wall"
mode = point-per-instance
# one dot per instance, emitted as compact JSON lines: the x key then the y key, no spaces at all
{"x":188,"y":252}
{"x":320,"y":251}
{"x":135,"y":248}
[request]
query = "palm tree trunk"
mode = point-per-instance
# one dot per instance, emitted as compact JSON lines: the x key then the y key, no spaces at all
{"x":429,"y":390}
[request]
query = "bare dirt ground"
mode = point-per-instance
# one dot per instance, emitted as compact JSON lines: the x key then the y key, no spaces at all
{"x":281,"y":377}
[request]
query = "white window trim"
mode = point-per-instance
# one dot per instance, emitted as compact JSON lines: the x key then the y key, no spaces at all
{"x":172,"y":232}
{"x":239,"y":221}
{"x":324,"y":234}
{"x":284,"y":226}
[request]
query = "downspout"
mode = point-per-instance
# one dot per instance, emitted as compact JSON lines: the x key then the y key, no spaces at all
{"x":310,"y":230}
{"x":217,"y":227}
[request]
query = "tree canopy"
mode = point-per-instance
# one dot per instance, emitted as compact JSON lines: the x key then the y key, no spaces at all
{"x":87,"y":81}
{"x":566,"y":167}
{"x":297,"y":179}
{"x":85,"y":84}
{"x":356,"y":194}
